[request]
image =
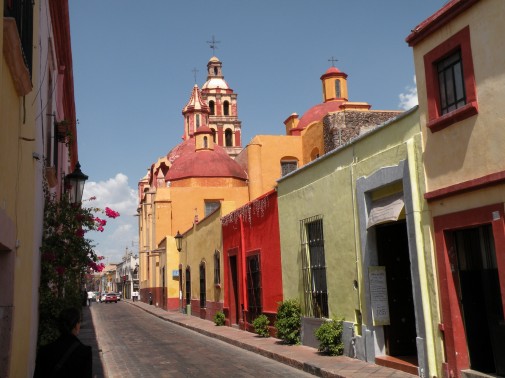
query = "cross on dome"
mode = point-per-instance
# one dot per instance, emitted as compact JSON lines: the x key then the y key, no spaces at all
{"x":332,"y":60}
{"x":213,"y":45}
{"x":194,"y":70}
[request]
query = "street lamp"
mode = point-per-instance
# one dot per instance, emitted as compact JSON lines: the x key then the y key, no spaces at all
{"x":178,"y":241}
{"x":75,"y":183}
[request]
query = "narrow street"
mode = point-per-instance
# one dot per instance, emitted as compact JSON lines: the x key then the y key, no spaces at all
{"x":137,"y":344}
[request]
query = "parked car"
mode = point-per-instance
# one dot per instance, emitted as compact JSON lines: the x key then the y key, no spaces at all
{"x":110,"y":297}
{"x":102,"y":297}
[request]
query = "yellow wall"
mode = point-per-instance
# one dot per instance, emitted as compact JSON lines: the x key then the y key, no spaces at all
{"x":312,"y":137}
{"x":473,"y":147}
{"x":20,"y":199}
{"x":199,"y":245}
{"x":262,"y":157}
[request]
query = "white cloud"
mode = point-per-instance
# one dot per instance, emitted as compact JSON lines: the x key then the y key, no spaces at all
{"x":120,"y":233}
{"x":408,"y":99}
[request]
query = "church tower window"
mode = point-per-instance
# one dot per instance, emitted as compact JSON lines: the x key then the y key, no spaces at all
{"x":197,"y":121}
{"x":226,"y":108}
{"x":228,"y":137}
{"x":214,"y":135}
{"x":212,"y":107}
{"x":205,"y":142}
{"x":338,"y":93}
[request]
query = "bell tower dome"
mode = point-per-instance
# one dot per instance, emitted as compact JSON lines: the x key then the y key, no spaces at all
{"x":334,"y":85}
{"x":222,"y":103}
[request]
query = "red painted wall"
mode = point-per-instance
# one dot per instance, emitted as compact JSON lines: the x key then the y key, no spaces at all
{"x":253,"y":228}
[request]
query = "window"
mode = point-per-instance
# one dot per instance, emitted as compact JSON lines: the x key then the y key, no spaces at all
{"x":197,"y":121}
{"x":450,"y":82}
{"x":337,"y":89}
{"x":254,"y":285}
{"x":226,"y":108}
{"x":288,"y":166}
{"x":211,"y":206}
{"x":203,"y":286}
{"x":214,"y":135}
{"x":212,"y":106}
{"x":217,"y":268}
{"x":205,"y":142}
{"x":228,"y":134}
{"x":314,"y":267}
{"x":22,"y":12}
{"x":188,"y":286}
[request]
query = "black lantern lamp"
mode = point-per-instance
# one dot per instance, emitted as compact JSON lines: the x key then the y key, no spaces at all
{"x":178,"y":241}
{"x":75,"y":183}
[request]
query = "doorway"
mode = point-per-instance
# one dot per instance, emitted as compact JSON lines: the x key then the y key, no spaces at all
{"x":472,"y":257}
{"x":234,"y":299}
{"x":393,"y":253}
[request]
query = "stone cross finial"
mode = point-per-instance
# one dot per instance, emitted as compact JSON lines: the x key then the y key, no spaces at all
{"x":332,"y":60}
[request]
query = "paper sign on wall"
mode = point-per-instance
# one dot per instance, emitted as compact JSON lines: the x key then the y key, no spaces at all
{"x":379,"y":295}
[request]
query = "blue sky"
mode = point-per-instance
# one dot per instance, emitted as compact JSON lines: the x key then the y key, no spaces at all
{"x":133,"y":64}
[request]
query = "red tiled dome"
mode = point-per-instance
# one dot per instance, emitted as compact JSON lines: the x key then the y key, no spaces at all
{"x":317,"y":112}
{"x":187,"y":163}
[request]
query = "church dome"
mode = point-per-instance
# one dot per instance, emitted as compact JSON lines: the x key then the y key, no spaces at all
{"x":214,"y":83}
{"x":188,"y":163}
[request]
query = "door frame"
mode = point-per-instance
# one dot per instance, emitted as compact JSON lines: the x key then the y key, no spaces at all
{"x":374,"y":343}
{"x":452,"y":323}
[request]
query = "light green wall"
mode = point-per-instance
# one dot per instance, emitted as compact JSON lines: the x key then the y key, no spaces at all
{"x":327,"y":187}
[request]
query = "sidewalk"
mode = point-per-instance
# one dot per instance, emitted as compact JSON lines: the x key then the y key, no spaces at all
{"x":298,"y":356}
{"x":87,"y":335}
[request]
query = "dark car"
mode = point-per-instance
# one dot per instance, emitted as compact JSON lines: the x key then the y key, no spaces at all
{"x":110,"y":297}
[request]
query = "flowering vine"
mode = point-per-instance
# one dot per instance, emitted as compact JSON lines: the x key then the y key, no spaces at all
{"x":67,"y":257}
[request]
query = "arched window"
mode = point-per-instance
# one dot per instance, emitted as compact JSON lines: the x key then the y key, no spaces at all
{"x":197,"y":121}
{"x":228,"y":134}
{"x":187,"y":123}
{"x":203,"y":286}
{"x":188,"y":285}
{"x":337,"y":89}
{"x":226,"y":108}
{"x":205,"y":142}
{"x":212,"y":106}
{"x":314,"y":154}
{"x":215,"y":71}
{"x":214,"y":135}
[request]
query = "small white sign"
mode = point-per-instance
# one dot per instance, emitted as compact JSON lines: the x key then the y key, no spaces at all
{"x":379,"y":295}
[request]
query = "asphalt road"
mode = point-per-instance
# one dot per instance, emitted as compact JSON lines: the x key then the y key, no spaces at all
{"x":137,"y":344}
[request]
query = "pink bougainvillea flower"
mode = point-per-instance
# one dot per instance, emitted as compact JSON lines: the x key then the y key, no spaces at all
{"x":111,"y":213}
{"x":100,"y":228}
{"x":79,"y":232}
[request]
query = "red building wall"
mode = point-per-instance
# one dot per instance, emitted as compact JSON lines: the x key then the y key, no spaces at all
{"x":252,"y":229}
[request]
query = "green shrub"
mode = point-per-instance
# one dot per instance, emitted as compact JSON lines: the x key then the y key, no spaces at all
{"x":219,"y":318}
{"x":288,"y":322}
{"x":329,"y":336}
{"x":260,"y":325}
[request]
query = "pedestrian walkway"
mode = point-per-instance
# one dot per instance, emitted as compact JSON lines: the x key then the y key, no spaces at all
{"x":298,"y":356}
{"x":87,"y":335}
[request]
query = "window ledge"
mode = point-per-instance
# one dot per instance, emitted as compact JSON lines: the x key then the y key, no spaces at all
{"x":467,"y":111}
{"x":13,"y":54}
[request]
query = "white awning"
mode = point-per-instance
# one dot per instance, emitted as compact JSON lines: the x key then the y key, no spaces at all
{"x":386,"y":209}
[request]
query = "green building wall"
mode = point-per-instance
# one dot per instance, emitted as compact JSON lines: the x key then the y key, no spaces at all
{"x":328,"y":187}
